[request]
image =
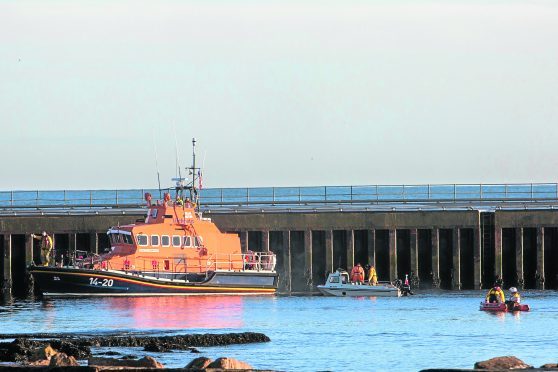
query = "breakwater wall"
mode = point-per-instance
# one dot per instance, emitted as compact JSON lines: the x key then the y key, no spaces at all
{"x":452,"y":249}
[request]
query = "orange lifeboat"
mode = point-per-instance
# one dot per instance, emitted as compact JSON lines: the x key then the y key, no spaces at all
{"x":174,"y":251}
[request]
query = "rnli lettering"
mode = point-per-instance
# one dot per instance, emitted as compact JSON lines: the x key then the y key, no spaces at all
{"x":101,"y":283}
{"x":149,"y":250}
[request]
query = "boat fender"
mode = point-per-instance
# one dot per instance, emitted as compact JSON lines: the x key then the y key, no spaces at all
{"x":203,"y":251}
{"x":155,"y":264}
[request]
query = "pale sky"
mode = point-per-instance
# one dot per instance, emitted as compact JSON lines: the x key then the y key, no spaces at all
{"x":278,"y":93}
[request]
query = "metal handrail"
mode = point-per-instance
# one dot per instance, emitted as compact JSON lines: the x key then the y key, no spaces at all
{"x":272,"y":196}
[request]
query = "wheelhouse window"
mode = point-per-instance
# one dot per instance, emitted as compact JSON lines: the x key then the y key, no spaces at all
{"x":154,"y":240}
{"x":198,"y":241}
{"x":127,"y":239}
{"x":187,"y":241}
{"x":334,"y":279}
{"x":176,"y":241}
{"x":142,"y":239}
{"x":165,"y":240}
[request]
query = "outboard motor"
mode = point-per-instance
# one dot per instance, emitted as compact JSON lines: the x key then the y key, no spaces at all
{"x":405,"y":286}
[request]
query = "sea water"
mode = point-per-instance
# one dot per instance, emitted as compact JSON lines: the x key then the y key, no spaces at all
{"x":428,"y":330}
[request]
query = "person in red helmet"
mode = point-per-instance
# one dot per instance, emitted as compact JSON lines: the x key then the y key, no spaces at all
{"x":496,"y":295}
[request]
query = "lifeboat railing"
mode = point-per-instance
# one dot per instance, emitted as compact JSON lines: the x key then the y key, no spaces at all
{"x":239,"y":262}
{"x":250,"y":261}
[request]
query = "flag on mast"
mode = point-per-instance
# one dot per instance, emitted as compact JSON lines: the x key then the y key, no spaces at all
{"x":200,"y":182}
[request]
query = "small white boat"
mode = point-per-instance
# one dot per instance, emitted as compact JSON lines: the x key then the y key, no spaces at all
{"x":338,"y":284}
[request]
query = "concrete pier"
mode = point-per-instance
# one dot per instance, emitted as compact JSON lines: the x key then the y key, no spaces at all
{"x":452,"y":249}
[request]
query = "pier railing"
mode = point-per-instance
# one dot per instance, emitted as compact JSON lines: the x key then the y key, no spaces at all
{"x":285,"y":196}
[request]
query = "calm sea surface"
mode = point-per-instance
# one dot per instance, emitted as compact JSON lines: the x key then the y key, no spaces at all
{"x":433,"y":329}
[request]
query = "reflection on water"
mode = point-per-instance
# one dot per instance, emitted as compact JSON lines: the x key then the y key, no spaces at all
{"x":429,"y":330}
{"x":180,"y":312}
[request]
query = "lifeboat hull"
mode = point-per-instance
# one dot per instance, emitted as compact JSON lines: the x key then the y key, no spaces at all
{"x":68,"y":282}
{"x":495,"y":307}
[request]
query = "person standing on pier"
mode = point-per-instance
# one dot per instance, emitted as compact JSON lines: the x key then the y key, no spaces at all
{"x":46,"y":247}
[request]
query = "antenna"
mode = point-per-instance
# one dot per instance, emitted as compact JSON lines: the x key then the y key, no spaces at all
{"x":195,"y":196}
{"x":157,"y":164}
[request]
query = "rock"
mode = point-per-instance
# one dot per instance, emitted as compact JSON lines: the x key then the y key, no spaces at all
{"x":229,"y":363}
{"x":504,"y":362}
{"x":62,"y":360}
{"x":550,"y":365}
{"x":128,"y":357}
{"x":199,"y":363}
{"x":156,"y":348}
{"x":109,"y":353}
{"x":72,"y":348}
{"x":145,"y":362}
{"x":42,"y":353}
{"x":194,"y":350}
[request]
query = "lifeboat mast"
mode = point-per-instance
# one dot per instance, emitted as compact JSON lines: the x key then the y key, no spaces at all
{"x":191,"y":186}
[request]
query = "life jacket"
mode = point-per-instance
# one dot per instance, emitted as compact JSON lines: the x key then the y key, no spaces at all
{"x":357,"y":274}
{"x":498,"y":293}
{"x":47,"y":243}
{"x":372,"y":274}
{"x":516,"y":297}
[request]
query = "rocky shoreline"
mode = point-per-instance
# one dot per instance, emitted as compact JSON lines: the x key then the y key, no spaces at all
{"x":499,"y":364}
{"x":65,"y":350}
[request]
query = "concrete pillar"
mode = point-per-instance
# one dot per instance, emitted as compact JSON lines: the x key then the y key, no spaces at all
{"x":519,"y":257}
{"x":329,"y":251}
{"x":372,"y":247}
{"x":414,"y":255}
{"x":456,"y":282}
{"x":7,"y":265}
{"x":540,"y":258}
{"x":94,"y":243}
{"x":498,"y":270}
{"x":28,"y":249}
{"x":28,"y":281}
{"x":392,"y":254}
{"x":265,"y":240}
{"x":350,"y":234}
{"x":477,"y":258}
{"x":72,"y":239}
{"x":244,"y":241}
{"x":287,"y":260}
{"x":436,"y":258}
{"x":308,"y":259}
